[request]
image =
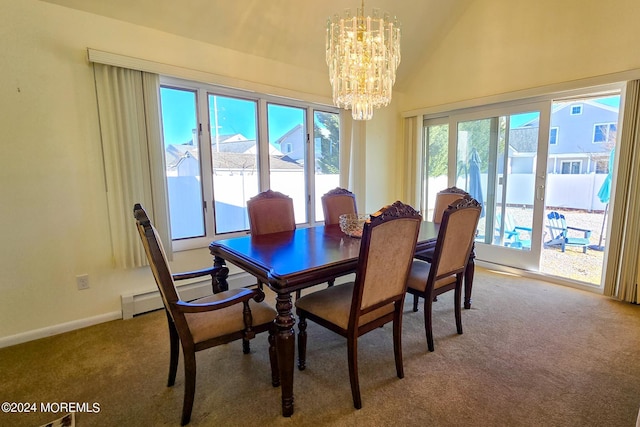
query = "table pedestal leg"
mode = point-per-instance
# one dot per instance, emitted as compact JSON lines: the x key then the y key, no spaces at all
{"x":285,"y":346}
{"x":220,"y":283}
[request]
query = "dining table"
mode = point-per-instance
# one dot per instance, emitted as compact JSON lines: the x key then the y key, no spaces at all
{"x":293,"y":260}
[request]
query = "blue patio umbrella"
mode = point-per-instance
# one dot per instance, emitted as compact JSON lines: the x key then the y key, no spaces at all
{"x":475,"y":186}
{"x":604,"y":194}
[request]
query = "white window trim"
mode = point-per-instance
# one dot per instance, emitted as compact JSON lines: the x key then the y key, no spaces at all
{"x":595,"y":126}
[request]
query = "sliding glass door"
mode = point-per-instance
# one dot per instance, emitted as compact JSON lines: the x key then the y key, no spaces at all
{"x":494,"y":155}
{"x":538,"y":169}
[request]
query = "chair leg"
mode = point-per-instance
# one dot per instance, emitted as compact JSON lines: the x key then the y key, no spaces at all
{"x":302,"y":343}
{"x":352,"y":353}
{"x":246,"y":346}
{"x":397,"y":341}
{"x":273,"y":357}
{"x":458,"y":301}
{"x":189,"y":384}
{"x":415,"y":302}
{"x":174,"y":342}
{"x":428,"y":302}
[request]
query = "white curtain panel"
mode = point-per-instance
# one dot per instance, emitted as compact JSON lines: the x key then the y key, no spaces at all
{"x":622,"y":262}
{"x":353,"y":157}
{"x":409,"y":159}
{"x":128,"y":108}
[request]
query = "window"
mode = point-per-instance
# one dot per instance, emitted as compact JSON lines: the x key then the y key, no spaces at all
{"x":326,"y":149}
{"x":553,"y":136}
{"x":576,"y":109}
{"x":602,"y":166}
{"x":604,"y":132}
{"x":287,"y":128}
{"x":182,"y":154}
{"x":224,"y":146}
{"x":571,"y":167}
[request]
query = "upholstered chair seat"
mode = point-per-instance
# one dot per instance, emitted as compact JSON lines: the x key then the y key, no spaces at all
{"x":420,"y":270}
{"x":214,"y":324}
{"x":334,"y":305}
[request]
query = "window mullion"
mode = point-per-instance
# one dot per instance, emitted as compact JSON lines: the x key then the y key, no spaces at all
{"x":206,"y":161}
{"x":263,"y":145}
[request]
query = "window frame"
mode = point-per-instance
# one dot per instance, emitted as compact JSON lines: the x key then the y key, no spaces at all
{"x":609,"y":125}
{"x":571,"y":163}
{"x":578,"y":112}
{"x":203,"y":91}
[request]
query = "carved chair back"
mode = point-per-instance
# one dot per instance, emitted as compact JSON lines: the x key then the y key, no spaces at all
{"x":386,"y":251}
{"x":455,"y":240}
{"x":444,"y":198}
{"x":270,"y":212}
{"x":337,"y":202}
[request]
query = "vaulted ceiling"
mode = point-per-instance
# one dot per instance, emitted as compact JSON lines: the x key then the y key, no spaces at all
{"x":289,"y":31}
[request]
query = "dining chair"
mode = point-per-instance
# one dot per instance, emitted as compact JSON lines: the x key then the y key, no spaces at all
{"x":270,"y":212}
{"x":375,"y":298}
{"x":443,"y":199}
{"x":206,"y":322}
{"x":337,"y":202}
{"x":451,"y":254}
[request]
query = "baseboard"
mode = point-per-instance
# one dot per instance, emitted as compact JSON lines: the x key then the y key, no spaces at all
{"x":142,"y":302}
{"x":132,"y":304}
{"x":540,"y":276}
{"x":58,"y":329}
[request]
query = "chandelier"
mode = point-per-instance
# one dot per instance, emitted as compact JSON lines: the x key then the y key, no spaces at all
{"x":363,"y":54}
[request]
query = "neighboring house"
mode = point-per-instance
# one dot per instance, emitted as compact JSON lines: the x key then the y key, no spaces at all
{"x":231,"y":153}
{"x":292,"y":143}
{"x":581,"y":136}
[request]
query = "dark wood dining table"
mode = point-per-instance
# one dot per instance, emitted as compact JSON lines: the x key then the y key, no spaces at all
{"x":293,"y":260}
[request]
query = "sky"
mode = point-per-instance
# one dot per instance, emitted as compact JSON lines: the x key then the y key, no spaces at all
{"x":520,"y":119}
{"x":238,"y":116}
{"x":234,"y":116}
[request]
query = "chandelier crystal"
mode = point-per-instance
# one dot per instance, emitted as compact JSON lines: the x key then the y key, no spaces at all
{"x":363,"y":54}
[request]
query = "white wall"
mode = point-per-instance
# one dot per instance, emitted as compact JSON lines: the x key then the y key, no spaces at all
{"x":53,"y":219}
{"x":501,"y":46}
{"x":384,"y":150}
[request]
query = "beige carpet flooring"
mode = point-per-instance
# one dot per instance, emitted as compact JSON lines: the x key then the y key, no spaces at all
{"x":532,"y":354}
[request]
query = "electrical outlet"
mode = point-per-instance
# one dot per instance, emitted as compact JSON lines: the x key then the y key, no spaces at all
{"x":82,"y":281}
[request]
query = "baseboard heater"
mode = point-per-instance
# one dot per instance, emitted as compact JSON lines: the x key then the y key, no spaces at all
{"x":144,"y":301}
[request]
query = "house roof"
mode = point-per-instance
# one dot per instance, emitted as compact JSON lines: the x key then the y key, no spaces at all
{"x":241,"y":161}
{"x":227,"y":159}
